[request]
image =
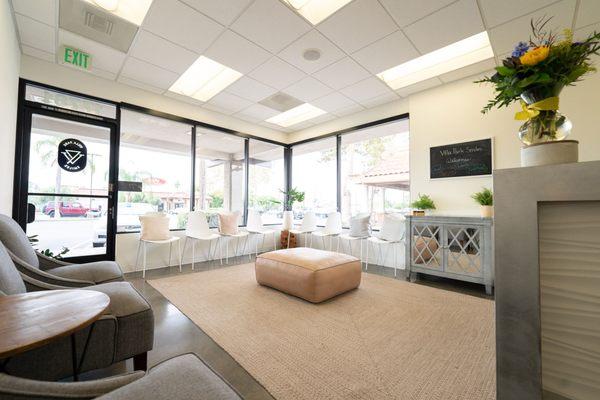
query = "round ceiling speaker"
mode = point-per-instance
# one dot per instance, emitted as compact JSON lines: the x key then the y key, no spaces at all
{"x":312,"y":54}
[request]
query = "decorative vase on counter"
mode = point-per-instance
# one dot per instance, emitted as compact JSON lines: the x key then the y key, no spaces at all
{"x":487,"y":211}
{"x":545,"y":130}
{"x":288,"y":220}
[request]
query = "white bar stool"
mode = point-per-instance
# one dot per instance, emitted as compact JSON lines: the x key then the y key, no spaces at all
{"x":155,"y":230}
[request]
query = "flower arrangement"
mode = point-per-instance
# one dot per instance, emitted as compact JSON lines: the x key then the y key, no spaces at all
{"x":535,"y":73}
{"x":424,"y":202}
{"x":484,"y":198}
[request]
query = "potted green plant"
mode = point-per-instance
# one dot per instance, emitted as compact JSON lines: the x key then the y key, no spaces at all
{"x":485,"y":199}
{"x":534,"y":75}
{"x":422,"y":205}
{"x":293,"y":195}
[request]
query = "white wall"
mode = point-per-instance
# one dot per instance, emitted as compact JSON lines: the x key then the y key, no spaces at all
{"x":451,"y":113}
{"x":83,"y":82}
{"x":10,"y":54}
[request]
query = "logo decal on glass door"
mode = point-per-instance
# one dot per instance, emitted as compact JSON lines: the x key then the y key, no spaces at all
{"x":72,"y":155}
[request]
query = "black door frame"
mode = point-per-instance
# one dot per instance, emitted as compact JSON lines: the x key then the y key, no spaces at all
{"x":21,"y":179}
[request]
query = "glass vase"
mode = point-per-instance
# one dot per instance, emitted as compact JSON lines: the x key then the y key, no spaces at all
{"x":548,"y":125}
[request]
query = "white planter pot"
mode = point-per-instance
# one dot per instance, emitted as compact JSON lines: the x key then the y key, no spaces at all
{"x":288,"y":220}
{"x":559,"y":152}
{"x":487,"y":211}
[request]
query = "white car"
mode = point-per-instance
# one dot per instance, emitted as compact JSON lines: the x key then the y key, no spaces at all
{"x":128,"y":220}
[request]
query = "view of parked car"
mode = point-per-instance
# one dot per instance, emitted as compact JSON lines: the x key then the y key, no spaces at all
{"x":66,"y":209}
{"x":128,"y":220}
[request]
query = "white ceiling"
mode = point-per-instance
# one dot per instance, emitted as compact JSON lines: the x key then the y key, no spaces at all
{"x":264,"y":40}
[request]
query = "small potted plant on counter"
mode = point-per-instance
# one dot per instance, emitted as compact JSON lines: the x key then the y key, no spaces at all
{"x":485,"y":199}
{"x":422,"y":205}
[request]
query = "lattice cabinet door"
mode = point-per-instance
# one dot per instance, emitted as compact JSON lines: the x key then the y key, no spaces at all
{"x":426,"y":248}
{"x":463,"y":249}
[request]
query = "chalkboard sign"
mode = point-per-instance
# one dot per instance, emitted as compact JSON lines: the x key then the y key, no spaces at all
{"x":461,"y":159}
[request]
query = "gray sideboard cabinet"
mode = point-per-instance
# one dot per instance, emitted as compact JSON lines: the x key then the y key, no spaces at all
{"x":451,"y":247}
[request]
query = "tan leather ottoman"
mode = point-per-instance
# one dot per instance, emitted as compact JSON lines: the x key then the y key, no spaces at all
{"x":311,"y":274}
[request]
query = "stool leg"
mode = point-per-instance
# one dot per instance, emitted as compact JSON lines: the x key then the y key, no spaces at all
{"x":395,"y":256}
{"x":367,"y":258}
{"x":226,"y":251}
{"x":137,"y":256}
{"x":193,"y":253}
{"x":179,"y":253}
{"x":144,"y":270}
{"x":220,"y":245}
{"x":170,"y":249}
{"x":274,"y":241}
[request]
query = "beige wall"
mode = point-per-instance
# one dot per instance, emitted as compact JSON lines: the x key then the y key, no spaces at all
{"x":451,"y":113}
{"x":68,"y":78}
{"x":9,"y":80}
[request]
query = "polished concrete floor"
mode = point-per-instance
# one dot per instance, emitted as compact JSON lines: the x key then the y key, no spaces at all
{"x":175,"y":334}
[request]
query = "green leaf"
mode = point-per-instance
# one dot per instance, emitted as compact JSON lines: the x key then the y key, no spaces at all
{"x":528,"y":81}
{"x":505,"y":71}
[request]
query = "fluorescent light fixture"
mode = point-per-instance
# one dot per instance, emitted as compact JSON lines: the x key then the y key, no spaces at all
{"x":294,"y":116}
{"x":452,"y":57}
{"x":133,"y":11}
{"x":316,"y":11}
{"x":204,"y":79}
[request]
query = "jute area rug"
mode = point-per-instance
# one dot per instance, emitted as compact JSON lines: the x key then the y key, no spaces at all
{"x":389,"y":339}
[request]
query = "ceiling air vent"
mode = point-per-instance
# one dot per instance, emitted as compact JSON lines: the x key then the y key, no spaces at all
{"x":98,"y":23}
{"x":87,"y":20}
{"x":281,"y":102}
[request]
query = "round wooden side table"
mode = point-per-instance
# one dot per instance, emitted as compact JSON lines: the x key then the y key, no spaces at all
{"x":32,"y":320}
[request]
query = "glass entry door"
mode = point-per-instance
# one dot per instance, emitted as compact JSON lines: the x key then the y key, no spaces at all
{"x":69,"y":161}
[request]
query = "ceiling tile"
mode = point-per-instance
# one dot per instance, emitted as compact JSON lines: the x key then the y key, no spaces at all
{"x":341,"y":73}
{"x":358,"y":24}
{"x":583,"y":33}
{"x":183,"y":98}
{"x":332,"y":102}
{"x":222,"y":11}
{"x":498,"y":12}
{"x":35,"y":34}
{"x":474,"y":69}
{"x":42,"y":55}
{"x":366,"y":89}
{"x":277,"y":73}
{"x":448,"y":25}
{"x":312,"y":40}
{"x":234,"y":51}
{"x":589,"y":13}
{"x":148,"y":74}
{"x":308,"y":89}
{"x":139,"y":85}
{"x":103,"y":57}
{"x":41,"y":10}
{"x":348,"y":110}
{"x":506,"y":36}
{"x":419,"y":87}
{"x":385,"y":53}
{"x":270,"y":24}
{"x":322,"y":118}
{"x":229,"y":102}
{"x":406,"y":12}
{"x":181,"y":24}
{"x":158,"y":51}
{"x":379,"y":100}
{"x":250,"y":89}
{"x":256,"y":113}
{"x":111,"y":76}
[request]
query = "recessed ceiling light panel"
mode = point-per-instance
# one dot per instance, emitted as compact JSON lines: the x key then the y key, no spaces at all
{"x":133,"y":11}
{"x":452,"y":57}
{"x":204,"y":79}
{"x":296,"y":115}
{"x":316,"y":11}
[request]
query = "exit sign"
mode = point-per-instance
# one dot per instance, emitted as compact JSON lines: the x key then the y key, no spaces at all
{"x":76,"y":57}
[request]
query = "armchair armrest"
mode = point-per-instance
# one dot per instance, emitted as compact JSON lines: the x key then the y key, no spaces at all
{"x":47,"y":263}
{"x":43,"y":276}
{"x":16,"y":387}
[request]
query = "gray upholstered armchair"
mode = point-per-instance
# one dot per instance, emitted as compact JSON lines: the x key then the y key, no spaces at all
{"x":126,"y":329}
{"x":180,"y":378}
{"x":49,"y":270}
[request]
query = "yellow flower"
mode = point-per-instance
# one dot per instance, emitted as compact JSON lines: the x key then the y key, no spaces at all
{"x":535,"y":55}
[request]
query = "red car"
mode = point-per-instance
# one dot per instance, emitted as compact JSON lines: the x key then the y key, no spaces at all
{"x":66,"y":209}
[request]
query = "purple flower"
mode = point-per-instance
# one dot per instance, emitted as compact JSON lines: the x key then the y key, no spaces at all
{"x":520,"y":49}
